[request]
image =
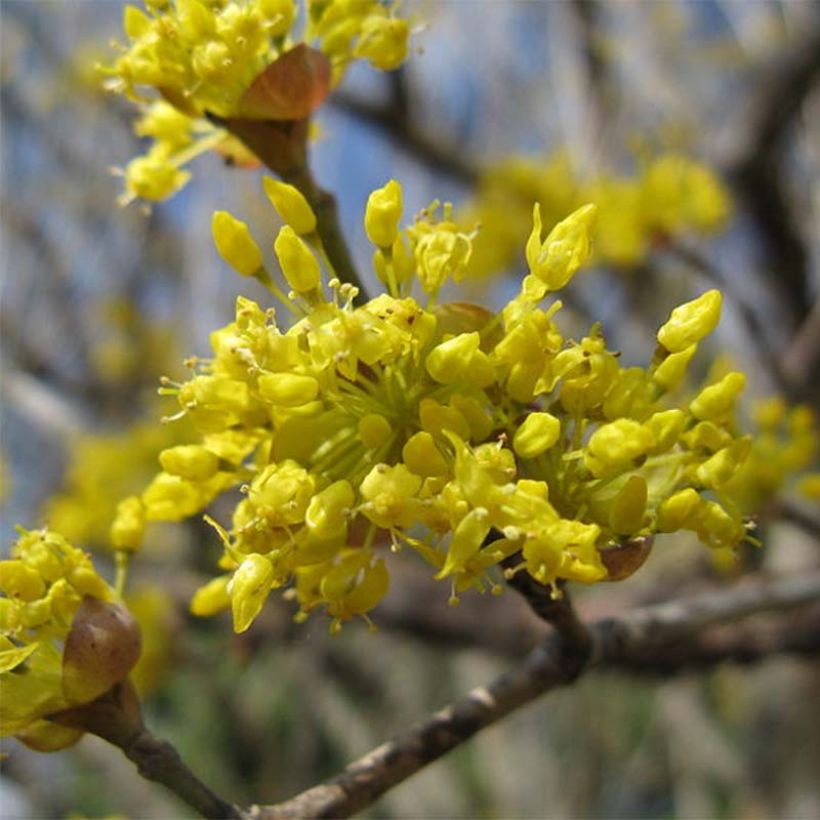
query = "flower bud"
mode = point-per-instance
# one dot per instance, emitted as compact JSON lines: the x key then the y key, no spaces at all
{"x":717,"y":400}
{"x":374,"y":430}
{"x":211,"y":598}
{"x":135,"y":22}
{"x":288,"y":389}
{"x":326,"y":515}
{"x":678,"y":510}
{"x":691,"y":322}
{"x":460,"y":357}
{"x":538,"y":433}
{"x":672,"y":370}
{"x":249,"y":590}
{"x":299,"y":265}
{"x":128,"y":526}
{"x":422,"y":456}
{"x":666,"y":426}
{"x":717,"y":470}
{"x":384,"y":209}
{"x":191,"y":461}
{"x":291,"y":205}
{"x":615,"y":445}
{"x":235,"y":244}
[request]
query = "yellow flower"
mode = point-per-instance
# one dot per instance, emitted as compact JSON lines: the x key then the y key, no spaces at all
{"x":232,"y":60}
{"x":556,"y":259}
{"x":399,"y":422}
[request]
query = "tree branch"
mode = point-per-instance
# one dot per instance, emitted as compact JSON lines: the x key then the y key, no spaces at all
{"x":117,"y":718}
{"x":394,"y":121}
{"x":758,"y":172}
{"x":635,"y":641}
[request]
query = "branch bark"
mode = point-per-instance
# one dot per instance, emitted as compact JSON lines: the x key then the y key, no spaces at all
{"x":758,"y":172}
{"x":637,"y":641}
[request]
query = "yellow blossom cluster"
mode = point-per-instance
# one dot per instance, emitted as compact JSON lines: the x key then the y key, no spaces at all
{"x":785,"y":446}
{"x":471,"y":438}
{"x":103,"y":469}
{"x":206,"y":61}
{"x":669,"y":196}
{"x":65,"y":638}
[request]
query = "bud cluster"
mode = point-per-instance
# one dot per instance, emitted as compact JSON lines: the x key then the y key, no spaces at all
{"x":669,"y":196}
{"x":65,"y":638}
{"x":469,"y":437}
{"x":206,"y":59}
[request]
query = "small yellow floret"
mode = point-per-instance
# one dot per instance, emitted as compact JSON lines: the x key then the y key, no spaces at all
{"x":567,"y":247}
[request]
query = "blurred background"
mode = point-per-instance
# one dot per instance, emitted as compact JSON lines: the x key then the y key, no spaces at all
{"x":713,"y":106}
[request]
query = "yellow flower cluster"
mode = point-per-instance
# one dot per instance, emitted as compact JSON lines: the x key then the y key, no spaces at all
{"x":103,"y":469}
{"x":786,"y":444}
{"x":237,"y":59}
{"x":408,"y":423}
{"x":670,"y":195}
{"x":65,"y":639}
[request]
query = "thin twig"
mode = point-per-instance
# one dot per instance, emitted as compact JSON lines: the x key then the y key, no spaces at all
{"x":408,"y":137}
{"x":117,"y":718}
{"x":628,"y":642}
{"x":283,"y":148}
